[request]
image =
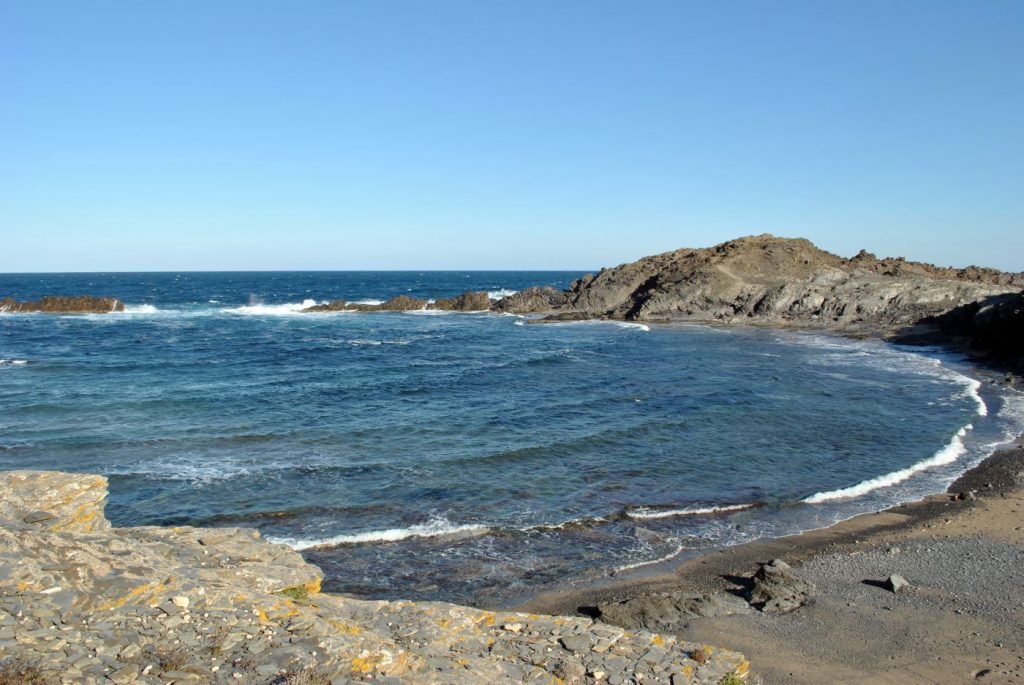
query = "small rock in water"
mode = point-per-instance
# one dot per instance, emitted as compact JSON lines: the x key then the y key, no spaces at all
{"x":897,"y":583}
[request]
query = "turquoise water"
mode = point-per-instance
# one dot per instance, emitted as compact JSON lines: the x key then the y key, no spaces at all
{"x":469,"y":456}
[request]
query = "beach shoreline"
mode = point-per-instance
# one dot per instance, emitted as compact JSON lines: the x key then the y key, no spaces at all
{"x":981,"y":507}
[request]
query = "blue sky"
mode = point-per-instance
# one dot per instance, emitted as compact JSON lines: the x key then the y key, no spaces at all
{"x":507,"y":135}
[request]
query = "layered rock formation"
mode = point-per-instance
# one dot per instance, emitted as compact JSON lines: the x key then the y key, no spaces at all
{"x":776,"y":281}
{"x":466,"y":302}
{"x":82,"y":602}
{"x":52,"y":304}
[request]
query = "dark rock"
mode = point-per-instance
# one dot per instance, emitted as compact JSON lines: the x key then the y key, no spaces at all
{"x":776,"y":588}
{"x":55,"y":304}
{"x":466,"y":302}
{"x":531,"y":300}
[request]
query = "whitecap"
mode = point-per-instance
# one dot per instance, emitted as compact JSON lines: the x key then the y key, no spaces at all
{"x":645,"y":513}
{"x":638,"y":564}
{"x":286,"y":309}
{"x":434,"y":528}
{"x":947,"y":455}
{"x":633,"y":326}
{"x":140,"y":309}
{"x":501,"y":293}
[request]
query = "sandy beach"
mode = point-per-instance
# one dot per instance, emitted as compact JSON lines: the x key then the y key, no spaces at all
{"x":961,"y":621}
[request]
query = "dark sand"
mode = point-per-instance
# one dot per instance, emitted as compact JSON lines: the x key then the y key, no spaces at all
{"x":963,"y":621}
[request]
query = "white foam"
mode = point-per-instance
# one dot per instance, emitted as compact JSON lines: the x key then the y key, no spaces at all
{"x":973,"y":385}
{"x":644,"y":513}
{"x":286,"y":309}
{"x":520,"y":323}
{"x":431,"y":529}
{"x":13,"y":362}
{"x":670,"y":555}
{"x":140,"y":309}
{"x":635,"y":326}
{"x":947,"y":455}
{"x":367,"y":302}
{"x":501,"y":293}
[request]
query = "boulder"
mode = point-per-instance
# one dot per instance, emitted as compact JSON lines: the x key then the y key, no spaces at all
{"x":897,"y":583}
{"x":776,"y":588}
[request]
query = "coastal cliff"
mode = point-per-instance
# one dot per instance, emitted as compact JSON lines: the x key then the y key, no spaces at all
{"x":84,"y":602}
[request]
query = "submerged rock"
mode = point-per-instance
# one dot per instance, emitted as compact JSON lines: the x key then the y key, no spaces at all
{"x":81,"y":601}
{"x":54,"y":304}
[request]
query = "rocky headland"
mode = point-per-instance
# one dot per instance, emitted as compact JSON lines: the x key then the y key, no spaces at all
{"x":769,"y":281}
{"x":56,"y":304}
{"x":84,"y":602}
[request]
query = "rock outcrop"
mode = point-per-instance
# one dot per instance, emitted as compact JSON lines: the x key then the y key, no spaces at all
{"x":466,"y":302}
{"x":531,"y":300}
{"x":777,"y":281}
{"x":53,"y":304}
{"x":776,"y":588}
{"x":82,"y":602}
{"x":992,"y":326}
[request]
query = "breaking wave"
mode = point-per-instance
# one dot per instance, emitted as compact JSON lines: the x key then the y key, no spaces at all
{"x":432,"y":529}
{"x":947,"y":455}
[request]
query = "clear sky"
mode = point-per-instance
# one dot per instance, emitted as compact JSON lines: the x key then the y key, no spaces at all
{"x":440,"y":134}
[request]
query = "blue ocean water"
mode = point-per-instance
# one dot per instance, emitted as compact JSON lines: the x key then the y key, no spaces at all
{"x":470,"y":456}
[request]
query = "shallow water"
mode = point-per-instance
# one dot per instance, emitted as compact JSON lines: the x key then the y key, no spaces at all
{"x":470,"y":457}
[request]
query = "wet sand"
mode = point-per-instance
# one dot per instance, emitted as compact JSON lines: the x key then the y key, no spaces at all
{"x":963,"y":620}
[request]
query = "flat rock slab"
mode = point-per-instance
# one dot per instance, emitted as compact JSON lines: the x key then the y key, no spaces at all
{"x":82,"y":602}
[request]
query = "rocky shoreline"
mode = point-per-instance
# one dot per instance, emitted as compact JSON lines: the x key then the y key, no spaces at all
{"x":83,"y":602}
{"x":837,"y":617}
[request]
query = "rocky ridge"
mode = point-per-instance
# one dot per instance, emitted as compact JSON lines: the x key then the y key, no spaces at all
{"x":54,"y":304}
{"x":83,"y":602}
{"x":775,"y":281}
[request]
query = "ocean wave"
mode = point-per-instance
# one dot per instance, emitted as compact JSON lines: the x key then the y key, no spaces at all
{"x":286,"y":309}
{"x":140,"y":309}
{"x":646,"y":513}
{"x":973,"y":385}
{"x":13,"y":362}
{"x":947,"y":455}
{"x":432,"y":529}
{"x":638,"y":564}
{"x":633,"y":326}
{"x":369,"y":342}
{"x":501,"y":293}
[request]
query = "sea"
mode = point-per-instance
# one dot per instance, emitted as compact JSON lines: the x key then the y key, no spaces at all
{"x":472,"y":457}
